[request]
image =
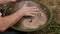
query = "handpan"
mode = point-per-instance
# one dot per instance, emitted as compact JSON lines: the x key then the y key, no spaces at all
{"x":27,"y":23}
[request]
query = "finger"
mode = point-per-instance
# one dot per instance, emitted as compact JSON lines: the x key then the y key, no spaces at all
{"x":35,"y":10}
{"x":32,"y":15}
{"x":33,"y":7}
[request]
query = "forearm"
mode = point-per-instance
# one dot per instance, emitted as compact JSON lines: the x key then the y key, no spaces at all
{"x":10,"y":20}
{"x":6,"y":1}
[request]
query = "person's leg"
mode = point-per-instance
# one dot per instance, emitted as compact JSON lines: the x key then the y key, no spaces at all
{"x":12,"y":31}
{"x":16,"y":32}
{"x":9,"y":32}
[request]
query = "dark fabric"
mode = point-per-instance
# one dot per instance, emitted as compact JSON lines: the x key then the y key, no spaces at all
{"x":12,"y":31}
{"x":1,"y":10}
{"x":9,"y":32}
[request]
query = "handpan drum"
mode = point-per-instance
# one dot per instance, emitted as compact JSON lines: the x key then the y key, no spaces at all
{"x":27,"y":23}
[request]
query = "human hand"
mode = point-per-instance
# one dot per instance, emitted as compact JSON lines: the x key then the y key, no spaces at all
{"x":28,"y":11}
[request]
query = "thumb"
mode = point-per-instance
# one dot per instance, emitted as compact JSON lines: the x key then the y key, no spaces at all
{"x":25,"y":3}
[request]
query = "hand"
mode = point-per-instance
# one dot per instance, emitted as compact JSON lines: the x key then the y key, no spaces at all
{"x":29,"y":11}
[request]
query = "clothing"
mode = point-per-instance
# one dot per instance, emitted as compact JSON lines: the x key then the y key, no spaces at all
{"x":0,"y":14}
{"x":10,"y":30}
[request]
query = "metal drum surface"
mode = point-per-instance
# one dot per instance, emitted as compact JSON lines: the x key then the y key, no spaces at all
{"x":27,"y":23}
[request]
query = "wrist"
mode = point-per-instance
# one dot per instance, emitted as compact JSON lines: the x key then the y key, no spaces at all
{"x":20,"y":13}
